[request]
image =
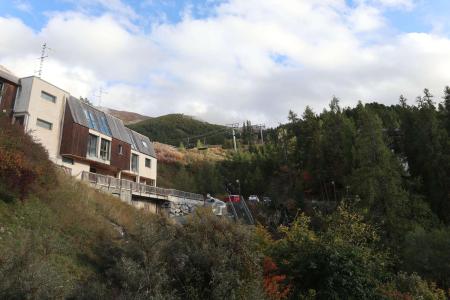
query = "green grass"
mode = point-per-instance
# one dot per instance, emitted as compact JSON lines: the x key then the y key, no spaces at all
{"x":55,"y":239}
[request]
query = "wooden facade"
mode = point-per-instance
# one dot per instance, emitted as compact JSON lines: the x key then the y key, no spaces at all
{"x":74,"y":143}
{"x":74,"y":139}
{"x":120,"y":160}
{"x":7,"y":97}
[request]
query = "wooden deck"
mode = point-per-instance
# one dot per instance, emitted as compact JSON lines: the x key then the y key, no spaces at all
{"x":120,"y":186}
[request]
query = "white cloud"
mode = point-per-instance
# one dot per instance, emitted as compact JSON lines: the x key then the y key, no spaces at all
{"x":407,"y":4}
{"x":366,"y":18}
{"x":251,"y":60}
{"x":22,"y":5}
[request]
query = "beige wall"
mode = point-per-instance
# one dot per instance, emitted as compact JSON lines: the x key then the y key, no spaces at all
{"x":30,"y":101}
{"x":143,"y":170}
{"x":76,"y":168}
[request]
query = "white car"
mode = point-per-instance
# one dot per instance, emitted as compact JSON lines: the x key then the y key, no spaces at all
{"x":219,"y":208}
{"x":267,"y":200}
{"x":253,"y":198}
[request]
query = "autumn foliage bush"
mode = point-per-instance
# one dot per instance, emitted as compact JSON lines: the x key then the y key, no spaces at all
{"x":24,"y":164}
{"x":274,"y":283}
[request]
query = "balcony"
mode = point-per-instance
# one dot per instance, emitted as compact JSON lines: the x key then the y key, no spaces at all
{"x":119,"y":186}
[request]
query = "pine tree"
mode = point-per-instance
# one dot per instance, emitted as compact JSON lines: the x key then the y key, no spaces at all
{"x":376,"y":177}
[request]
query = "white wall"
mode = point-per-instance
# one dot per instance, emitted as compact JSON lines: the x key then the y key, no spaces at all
{"x":143,"y":170}
{"x":30,"y":101}
{"x":76,"y":168}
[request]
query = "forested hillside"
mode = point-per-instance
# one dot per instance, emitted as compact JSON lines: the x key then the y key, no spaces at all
{"x":174,"y":129}
{"x":389,"y":165}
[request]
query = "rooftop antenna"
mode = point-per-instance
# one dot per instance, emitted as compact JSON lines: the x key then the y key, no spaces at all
{"x":44,"y":55}
{"x":101,"y":91}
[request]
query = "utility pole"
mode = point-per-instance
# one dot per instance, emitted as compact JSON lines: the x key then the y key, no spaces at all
{"x":234,"y":140}
{"x":233,"y":127}
{"x":261,"y":127}
{"x":44,"y":55}
{"x":262,"y":138}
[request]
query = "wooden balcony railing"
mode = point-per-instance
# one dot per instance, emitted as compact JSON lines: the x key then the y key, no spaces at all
{"x":113,"y":183}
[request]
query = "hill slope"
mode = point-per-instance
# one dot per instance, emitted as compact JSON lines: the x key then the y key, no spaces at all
{"x":60,"y":239}
{"x":126,"y":116}
{"x":176,"y":128}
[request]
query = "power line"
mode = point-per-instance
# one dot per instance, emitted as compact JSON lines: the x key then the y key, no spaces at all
{"x":212,"y":133}
{"x":208,"y":134}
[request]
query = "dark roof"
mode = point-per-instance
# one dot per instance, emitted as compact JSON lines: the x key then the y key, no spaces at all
{"x":141,"y":143}
{"x":89,"y":116}
{"x":118,"y":129}
{"x":8,"y":75}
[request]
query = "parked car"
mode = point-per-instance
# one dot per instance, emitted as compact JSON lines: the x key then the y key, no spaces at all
{"x":219,"y":208}
{"x":253,"y":198}
{"x":233,"y":198}
{"x":267,"y":200}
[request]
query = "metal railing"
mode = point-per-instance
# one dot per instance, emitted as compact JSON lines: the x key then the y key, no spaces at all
{"x":135,"y":187}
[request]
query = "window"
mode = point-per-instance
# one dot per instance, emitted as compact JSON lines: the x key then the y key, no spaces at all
{"x":92,"y":145}
{"x":145,"y":144}
{"x":120,"y":149}
{"x":135,"y":163}
{"x":90,"y":118}
{"x":67,"y":160}
{"x":44,"y":124}
{"x":48,"y":97}
{"x":105,"y":147}
{"x":104,"y":126}
{"x":1,"y":91}
{"x":148,"y":163}
{"x":20,"y":120}
{"x":133,"y":143}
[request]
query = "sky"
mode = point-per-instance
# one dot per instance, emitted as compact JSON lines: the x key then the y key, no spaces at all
{"x":230,"y":61}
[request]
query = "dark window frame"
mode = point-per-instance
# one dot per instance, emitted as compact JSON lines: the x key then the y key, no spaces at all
{"x":48,"y":97}
{"x":68,"y":160}
{"x":105,"y":149}
{"x":90,"y":148}
{"x":134,"y":163}
{"x":148,"y":163}
{"x":44,"y":124}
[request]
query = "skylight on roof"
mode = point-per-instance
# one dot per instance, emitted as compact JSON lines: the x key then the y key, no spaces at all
{"x":104,"y":126}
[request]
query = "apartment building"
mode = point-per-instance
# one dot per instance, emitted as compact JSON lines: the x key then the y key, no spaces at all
{"x":77,"y":136}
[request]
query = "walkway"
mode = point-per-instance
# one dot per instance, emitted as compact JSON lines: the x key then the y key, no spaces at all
{"x":122,"y":186}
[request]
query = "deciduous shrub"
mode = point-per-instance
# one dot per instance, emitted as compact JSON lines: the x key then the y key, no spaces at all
{"x":24,"y":165}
